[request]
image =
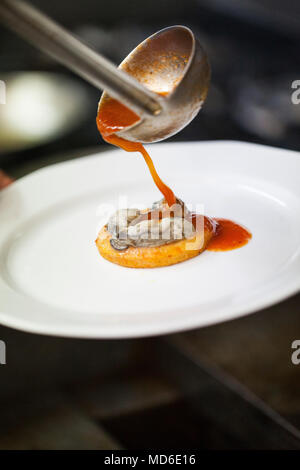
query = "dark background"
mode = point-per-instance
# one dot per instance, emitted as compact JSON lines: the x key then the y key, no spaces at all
{"x":252,"y":46}
{"x":197,"y":389}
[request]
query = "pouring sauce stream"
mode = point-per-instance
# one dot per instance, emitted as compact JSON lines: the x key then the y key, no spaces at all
{"x":112,"y":117}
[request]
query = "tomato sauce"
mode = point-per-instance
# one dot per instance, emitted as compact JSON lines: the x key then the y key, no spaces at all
{"x":228,"y":236}
{"x":113,"y":117}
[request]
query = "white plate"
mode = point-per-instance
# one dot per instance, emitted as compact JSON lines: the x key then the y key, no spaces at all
{"x":53,"y":281}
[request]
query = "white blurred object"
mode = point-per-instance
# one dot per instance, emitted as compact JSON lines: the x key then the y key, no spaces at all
{"x":40,"y":106}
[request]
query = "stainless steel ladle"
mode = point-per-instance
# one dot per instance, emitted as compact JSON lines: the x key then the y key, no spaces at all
{"x":164,"y":80}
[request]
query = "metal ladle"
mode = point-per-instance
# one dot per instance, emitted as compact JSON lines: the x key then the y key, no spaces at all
{"x":164,"y":80}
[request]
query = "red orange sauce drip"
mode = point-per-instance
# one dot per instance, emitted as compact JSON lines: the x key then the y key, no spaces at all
{"x":113,"y":117}
{"x":229,"y":236}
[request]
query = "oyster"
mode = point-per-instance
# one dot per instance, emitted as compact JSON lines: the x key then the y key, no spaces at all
{"x":158,"y":226}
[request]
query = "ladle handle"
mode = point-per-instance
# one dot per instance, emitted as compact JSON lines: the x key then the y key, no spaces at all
{"x":47,"y":35}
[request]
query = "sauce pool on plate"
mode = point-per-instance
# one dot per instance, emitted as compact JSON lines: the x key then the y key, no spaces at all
{"x":229,"y":236}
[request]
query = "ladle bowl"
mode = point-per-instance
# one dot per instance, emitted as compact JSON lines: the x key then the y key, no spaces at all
{"x":172,"y":64}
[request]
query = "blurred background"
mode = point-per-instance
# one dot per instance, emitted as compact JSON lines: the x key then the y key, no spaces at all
{"x":226,"y":386}
{"x":252,"y":46}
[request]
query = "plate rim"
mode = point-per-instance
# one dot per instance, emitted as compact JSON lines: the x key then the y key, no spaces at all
{"x":118,"y":331}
